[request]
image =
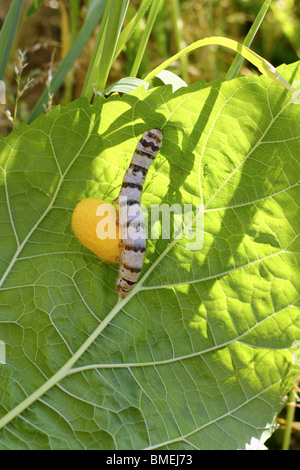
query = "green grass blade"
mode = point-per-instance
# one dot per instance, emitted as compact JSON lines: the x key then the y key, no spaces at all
{"x":262,"y":64}
{"x":155,"y":7}
{"x":116,"y":19}
{"x":8,"y":32}
{"x":105,"y":48}
{"x":130,"y":27}
{"x":66,"y":64}
{"x":33,"y":7}
{"x":238,"y":60}
{"x":87,"y":90}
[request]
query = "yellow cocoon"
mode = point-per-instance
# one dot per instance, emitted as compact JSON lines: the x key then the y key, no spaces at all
{"x":93,"y":217}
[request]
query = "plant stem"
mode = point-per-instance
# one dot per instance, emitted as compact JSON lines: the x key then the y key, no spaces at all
{"x":74,"y":13}
{"x":18,"y":79}
{"x":66,"y":44}
{"x":290,"y":414}
{"x":178,"y":32}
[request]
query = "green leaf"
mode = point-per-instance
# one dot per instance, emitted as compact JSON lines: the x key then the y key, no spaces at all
{"x":125,"y":85}
{"x":170,"y":78}
{"x":199,"y":355}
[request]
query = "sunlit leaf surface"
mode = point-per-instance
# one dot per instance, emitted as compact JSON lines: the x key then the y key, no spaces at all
{"x":198,"y":356}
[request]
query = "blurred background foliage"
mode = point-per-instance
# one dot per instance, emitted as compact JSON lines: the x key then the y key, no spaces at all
{"x":47,"y":31}
{"x":48,"y":28}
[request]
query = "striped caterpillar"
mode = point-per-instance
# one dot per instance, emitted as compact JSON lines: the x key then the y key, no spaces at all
{"x":129,"y":200}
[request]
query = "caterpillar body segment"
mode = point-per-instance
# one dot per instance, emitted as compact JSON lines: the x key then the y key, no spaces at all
{"x":129,"y":200}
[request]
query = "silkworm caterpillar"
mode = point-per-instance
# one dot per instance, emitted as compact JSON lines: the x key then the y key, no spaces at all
{"x":129,"y":200}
